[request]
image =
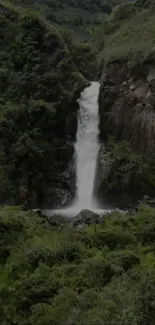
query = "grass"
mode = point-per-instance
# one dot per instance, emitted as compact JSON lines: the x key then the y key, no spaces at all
{"x":131,"y":42}
{"x":128,"y":35}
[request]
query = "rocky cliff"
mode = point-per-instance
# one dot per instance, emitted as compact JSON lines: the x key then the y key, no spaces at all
{"x":127,"y":105}
{"x":127,"y":112}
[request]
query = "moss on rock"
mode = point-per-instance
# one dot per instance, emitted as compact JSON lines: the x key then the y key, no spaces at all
{"x":123,"y":176}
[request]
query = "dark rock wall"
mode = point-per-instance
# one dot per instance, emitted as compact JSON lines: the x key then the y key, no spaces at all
{"x":127,"y":105}
{"x":127,"y":113}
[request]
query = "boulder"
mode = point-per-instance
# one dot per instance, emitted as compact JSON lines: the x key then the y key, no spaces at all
{"x":86,"y":217}
{"x":148,"y":201}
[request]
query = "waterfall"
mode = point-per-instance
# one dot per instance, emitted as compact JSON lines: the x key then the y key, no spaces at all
{"x":87,"y":146}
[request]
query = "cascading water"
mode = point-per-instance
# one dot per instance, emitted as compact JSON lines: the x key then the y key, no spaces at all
{"x":87,"y":147}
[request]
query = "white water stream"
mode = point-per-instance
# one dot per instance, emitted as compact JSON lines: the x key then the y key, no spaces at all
{"x":87,"y":147}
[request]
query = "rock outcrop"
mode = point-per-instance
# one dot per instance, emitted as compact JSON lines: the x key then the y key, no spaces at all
{"x":127,"y":112}
{"x":86,"y":217}
{"x":120,"y":180}
{"x":127,"y":105}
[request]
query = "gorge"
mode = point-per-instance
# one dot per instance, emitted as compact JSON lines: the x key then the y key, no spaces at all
{"x":77,"y":162}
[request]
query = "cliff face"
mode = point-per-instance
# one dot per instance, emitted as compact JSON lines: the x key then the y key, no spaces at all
{"x":127,"y":105}
{"x":127,"y":112}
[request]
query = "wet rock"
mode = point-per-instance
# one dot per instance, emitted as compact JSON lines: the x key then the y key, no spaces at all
{"x":86,"y":217}
{"x":71,"y":125}
{"x":119,"y":103}
{"x":148,"y":201}
{"x":39,"y":212}
{"x":59,"y":188}
{"x":103,"y":166}
{"x":132,"y":87}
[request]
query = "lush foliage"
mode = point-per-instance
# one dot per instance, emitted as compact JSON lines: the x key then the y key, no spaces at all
{"x":56,"y":274}
{"x":84,"y":55}
{"x":38,"y":84}
{"x":130,"y":175}
{"x":128,"y":33}
{"x":82,"y":16}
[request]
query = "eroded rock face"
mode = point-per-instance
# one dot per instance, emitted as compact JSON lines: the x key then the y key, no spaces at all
{"x":127,"y":105}
{"x":118,"y":183}
{"x":127,"y":112}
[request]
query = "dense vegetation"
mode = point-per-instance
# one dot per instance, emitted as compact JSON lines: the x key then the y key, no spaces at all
{"x":126,"y":42}
{"x":56,"y":274}
{"x":129,"y":176}
{"x":38,"y":85}
{"x":128,"y":33}
{"x":81,"y":16}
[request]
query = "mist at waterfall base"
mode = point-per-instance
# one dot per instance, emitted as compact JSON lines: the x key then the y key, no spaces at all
{"x":87,"y":147}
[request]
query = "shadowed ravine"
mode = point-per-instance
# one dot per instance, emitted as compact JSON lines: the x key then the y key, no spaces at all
{"x":87,"y":147}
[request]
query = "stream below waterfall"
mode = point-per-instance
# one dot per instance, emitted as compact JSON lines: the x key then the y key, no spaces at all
{"x":87,"y":147}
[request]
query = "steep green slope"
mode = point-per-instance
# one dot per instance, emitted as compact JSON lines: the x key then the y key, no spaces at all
{"x":56,"y":274}
{"x":38,"y":87}
{"x":128,"y":33}
{"x":82,"y":17}
{"x":127,"y":100}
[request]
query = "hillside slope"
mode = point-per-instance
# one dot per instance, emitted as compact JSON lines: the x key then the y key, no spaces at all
{"x":39,"y":84}
{"x":127,"y":98}
{"x":81,"y":17}
{"x":128,"y":33}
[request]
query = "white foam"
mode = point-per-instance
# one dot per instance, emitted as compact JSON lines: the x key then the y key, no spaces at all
{"x":87,"y":147}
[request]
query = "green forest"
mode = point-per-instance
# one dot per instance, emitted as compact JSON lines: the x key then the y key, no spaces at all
{"x":52,"y":271}
{"x":82,"y":17}
{"x":55,"y":273}
{"x":40,"y":77}
{"x":127,"y":34}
